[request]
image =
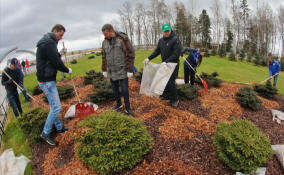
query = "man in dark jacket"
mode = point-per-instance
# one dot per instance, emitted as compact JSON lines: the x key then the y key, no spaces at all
{"x":21,"y":83}
{"x":48,"y":61}
{"x":117,"y":64}
{"x":11,"y":87}
{"x":170,"y":48}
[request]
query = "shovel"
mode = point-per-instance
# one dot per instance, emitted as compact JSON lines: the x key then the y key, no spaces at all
{"x":82,"y":110}
{"x":202,"y":81}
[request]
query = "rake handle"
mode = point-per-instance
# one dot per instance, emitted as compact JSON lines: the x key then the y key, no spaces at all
{"x":193,"y":69}
{"x":22,"y":88}
{"x":71,"y":75}
{"x":268,"y":78}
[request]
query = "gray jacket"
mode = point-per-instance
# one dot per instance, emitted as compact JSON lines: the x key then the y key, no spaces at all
{"x":118,"y":57}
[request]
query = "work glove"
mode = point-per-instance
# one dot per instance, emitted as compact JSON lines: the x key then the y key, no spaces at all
{"x":146,"y":61}
{"x":105,"y":74}
{"x":129,"y":74}
{"x":70,"y":70}
{"x":63,"y":51}
{"x":164,"y":63}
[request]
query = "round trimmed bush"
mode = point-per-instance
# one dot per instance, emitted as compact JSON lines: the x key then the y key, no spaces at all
{"x":74,"y":61}
{"x":32,"y":123}
{"x":241,"y":146}
{"x":187,"y":91}
{"x":247,"y":97}
{"x":111,"y":142}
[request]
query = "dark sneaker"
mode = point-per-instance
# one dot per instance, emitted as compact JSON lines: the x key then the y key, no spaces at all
{"x":116,"y":107}
{"x":48,"y":139}
{"x":129,"y":112}
{"x":175,"y":104}
{"x":63,"y":129}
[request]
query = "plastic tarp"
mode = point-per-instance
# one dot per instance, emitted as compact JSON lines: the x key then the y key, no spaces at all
{"x":11,"y":165}
{"x":155,"y":78}
{"x":72,"y":109}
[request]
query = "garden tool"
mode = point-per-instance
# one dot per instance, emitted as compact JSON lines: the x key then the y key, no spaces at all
{"x":82,"y":109}
{"x":40,"y":103}
{"x":254,"y":83}
{"x":203,"y":82}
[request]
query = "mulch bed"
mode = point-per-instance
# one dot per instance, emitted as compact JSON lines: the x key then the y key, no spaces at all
{"x":182,"y":137}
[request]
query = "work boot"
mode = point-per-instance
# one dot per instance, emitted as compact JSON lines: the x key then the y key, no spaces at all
{"x":63,"y":130}
{"x":48,"y":139}
{"x":116,"y":107}
{"x":129,"y":112}
{"x":175,"y":103}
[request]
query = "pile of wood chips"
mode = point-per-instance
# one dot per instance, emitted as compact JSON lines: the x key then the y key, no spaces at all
{"x":178,"y":125}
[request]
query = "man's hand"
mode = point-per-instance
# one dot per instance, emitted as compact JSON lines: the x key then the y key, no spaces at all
{"x":146,"y":61}
{"x":270,"y":77}
{"x":129,"y":74}
{"x":9,"y":81}
{"x":163,"y":63}
{"x":70,"y":71}
{"x":105,"y":74}
{"x":63,"y":51}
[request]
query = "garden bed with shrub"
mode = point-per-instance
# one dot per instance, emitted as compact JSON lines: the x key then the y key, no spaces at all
{"x":182,"y":136}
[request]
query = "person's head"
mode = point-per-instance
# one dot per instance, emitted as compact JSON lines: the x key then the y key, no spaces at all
{"x":270,"y":59}
{"x":13,"y":63}
{"x":200,"y":55}
{"x":108,"y":31}
{"x":202,"y":52}
{"x":166,"y":30}
{"x":58,"y":30}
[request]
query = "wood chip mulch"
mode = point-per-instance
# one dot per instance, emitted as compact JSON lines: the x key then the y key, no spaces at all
{"x":182,"y":137}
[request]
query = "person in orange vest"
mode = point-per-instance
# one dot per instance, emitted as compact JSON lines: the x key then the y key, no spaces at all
{"x":27,"y":65}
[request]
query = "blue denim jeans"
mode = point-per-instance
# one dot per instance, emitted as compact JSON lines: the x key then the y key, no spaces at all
{"x":15,"y":103}
{"x":51,"y":93}
{"x":123,"y":83}
{"x":275,"y":81}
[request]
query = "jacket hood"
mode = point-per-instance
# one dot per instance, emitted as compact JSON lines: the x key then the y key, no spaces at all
{"x":49,"y":37}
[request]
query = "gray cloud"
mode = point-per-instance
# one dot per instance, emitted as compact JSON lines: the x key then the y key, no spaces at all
{"x":22,"y":23}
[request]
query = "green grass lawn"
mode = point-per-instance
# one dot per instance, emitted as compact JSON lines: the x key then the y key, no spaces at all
{"x":228,"y":71}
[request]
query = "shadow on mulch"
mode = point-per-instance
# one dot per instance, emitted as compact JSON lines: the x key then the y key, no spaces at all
{"x":38,"y":151}
{"x":194,"y":106}
{"x":65,"y":154}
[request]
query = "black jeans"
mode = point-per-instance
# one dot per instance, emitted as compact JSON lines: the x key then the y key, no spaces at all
{"x":170,"y":91}
{"x":188,"y":72}
{"x":123,"y":83}
{"x":15,"y":103}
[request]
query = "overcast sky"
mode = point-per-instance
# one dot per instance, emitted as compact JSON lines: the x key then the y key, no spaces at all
{"x":24,"y":22}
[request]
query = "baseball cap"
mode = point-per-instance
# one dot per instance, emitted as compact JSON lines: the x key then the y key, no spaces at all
{"x":166,"y":27}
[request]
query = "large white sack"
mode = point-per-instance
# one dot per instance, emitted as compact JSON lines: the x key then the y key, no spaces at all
{"x":155,"y":78}
{"x":71,"y":111}
{"x":11,"y":165}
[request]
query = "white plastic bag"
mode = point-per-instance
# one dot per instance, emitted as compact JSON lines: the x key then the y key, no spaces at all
{"x":259,"y":171}
{"x":279,"y":151}
{"x":155,"y":78}
{"x":71,"y":111}
{"x":277,"y":116}
{"x":11,"y":165}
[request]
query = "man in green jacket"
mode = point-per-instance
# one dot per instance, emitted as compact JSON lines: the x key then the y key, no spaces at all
{"x":117,"y":64}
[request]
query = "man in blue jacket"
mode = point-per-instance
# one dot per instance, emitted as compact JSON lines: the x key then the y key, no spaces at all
{"x":274,"y":68}
{"x":169,"y":47}
{"x":194,"y":59}
{"x":48,"y":61}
